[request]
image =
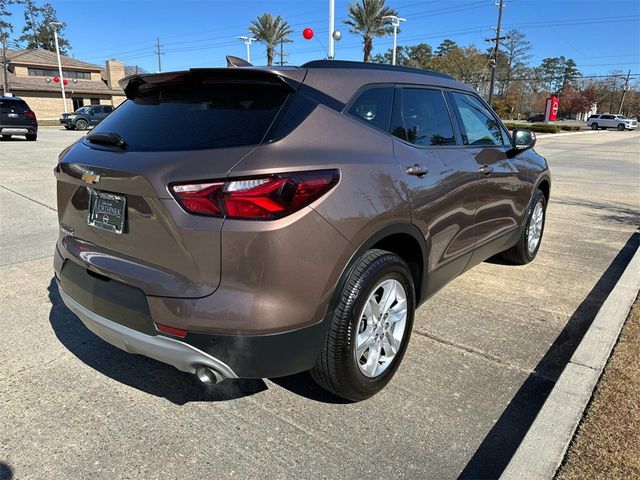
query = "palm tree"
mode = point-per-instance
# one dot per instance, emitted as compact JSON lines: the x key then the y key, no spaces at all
{"x":270,"y":30}
{"x":365,"y":19}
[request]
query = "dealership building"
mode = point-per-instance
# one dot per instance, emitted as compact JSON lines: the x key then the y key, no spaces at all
{"x":33,"y":76}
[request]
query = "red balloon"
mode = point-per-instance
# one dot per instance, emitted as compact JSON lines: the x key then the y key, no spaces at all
{"x":66,"y":81}
{"x":56,"y":79}
{"x":307,"y":33}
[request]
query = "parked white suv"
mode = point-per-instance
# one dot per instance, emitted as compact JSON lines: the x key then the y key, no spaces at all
{"x":605,"y":121}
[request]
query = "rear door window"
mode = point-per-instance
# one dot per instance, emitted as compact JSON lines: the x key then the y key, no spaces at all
{"x":424,"y":118}
{"x":479,"y":125}
{"x":373,"y":107}
{"x":195,"y":116}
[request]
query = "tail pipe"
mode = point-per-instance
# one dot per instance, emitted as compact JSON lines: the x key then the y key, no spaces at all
{"x":208,"y":375}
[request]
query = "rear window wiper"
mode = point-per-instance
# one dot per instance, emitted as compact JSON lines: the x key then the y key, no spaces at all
{"x":107,"y":138}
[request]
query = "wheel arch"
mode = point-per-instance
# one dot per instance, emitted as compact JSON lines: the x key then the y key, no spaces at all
{"x":403,"y":239}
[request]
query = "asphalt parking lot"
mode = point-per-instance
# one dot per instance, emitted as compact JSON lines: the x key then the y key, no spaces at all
{"x":485,"y":352}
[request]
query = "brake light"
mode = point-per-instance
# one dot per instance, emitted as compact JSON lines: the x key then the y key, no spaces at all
{"x":176,"y":332}
{"x":259,"y":198}
{"x":29,"y":114}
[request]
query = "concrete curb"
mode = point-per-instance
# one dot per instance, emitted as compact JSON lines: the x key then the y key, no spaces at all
{"x":543,"y":448}
{"x":554,"y":135}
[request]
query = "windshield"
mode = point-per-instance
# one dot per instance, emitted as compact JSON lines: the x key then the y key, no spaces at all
{"x":82,"y":110}
{"x":193,"y":116}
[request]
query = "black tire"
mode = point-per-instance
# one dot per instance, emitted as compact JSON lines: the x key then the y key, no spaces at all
{"x":67,"y":127}
{"x":520,"y":253}
{"x":594,"y":126}
{"x":32,"y":137}
{"x":82,"y":124}
{"x":6,"y":137}
{"x":336,"y":368}
{"x":621,"y":127}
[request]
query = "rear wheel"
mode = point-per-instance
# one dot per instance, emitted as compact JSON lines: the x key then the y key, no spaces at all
{"x":369,"y":329}
{"x":531,"y":237}
{"x":594,"y":126}
{"x":6,"y":137}
{"x":32,"y":137}
{"x":620,"y":127}
{"x":82,"y":124}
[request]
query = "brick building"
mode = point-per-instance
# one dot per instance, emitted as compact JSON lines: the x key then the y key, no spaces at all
{"x":31,"y":75}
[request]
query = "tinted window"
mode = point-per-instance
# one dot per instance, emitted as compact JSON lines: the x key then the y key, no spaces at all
{"x":479,"y":126}
{"x":193,"y":116}
{"x":424,"y":118}
{"x":373,"y":107}
{"x":6,"y":105}
{"x":607,"y":117}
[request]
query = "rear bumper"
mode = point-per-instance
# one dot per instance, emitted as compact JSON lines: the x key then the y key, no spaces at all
{"x":18,"y":129}
{"x":119,"y":314}
{"x":164,"y":349}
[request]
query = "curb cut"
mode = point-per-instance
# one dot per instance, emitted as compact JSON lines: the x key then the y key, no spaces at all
{"x":544,"y":446}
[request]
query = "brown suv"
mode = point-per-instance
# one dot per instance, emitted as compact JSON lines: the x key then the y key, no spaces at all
{"x":258,"y":222}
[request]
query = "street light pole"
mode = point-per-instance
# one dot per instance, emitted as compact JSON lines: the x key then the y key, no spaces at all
{"x":395,"y":21}
{"x":247,"y":41}
{"x":332,"y":16}
{"x":55,"y":26}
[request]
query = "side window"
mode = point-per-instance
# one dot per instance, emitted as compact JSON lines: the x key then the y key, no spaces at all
{"x":373,"y":107}
{"x":424,"y":118}
{"x":607,"y":117}
{"x":479,"y":126}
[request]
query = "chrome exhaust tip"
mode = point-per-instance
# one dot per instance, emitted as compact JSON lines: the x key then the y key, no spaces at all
{"x":208,"y":375}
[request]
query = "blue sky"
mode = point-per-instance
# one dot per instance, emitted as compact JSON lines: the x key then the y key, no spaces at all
{"x":600,"y":35}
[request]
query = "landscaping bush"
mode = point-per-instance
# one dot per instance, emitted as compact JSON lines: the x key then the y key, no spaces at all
{"x":537,"y":127}
{"x":569,"y":128}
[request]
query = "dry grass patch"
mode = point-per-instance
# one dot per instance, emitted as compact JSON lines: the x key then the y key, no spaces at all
{"x":607,"y":444}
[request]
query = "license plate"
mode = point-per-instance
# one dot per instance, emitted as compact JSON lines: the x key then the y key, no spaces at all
{"x":13,"y":115}
{"x":107,"y":211}
{"x":14,"y":131}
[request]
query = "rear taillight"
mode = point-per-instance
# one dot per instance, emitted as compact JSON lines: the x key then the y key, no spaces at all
{"x":259,"y":198}
{"x":29,"y":114}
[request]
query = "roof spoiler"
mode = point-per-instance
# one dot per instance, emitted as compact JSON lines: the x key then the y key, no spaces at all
{"x":133,"y":85}
{"x":237,"y":62}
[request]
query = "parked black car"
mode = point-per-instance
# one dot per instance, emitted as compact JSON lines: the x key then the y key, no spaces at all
{"x":536,"y":118}
{"x":85,"y":117}
{"x":16,"y":118}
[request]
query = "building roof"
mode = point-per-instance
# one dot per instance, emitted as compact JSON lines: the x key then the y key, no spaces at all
{"x":40,"y":84}
{"x":42,"y":57}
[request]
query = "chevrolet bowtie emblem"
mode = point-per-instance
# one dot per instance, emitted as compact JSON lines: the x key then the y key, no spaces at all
{"x":90,"y":177}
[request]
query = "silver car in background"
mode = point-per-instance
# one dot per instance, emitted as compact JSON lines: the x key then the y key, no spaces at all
{"x":619,"y":122}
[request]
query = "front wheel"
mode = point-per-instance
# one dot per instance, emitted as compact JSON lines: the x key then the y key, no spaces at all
{"x":620,"y":127}
{"x":369,"y":329}
{"x":531,"y":237}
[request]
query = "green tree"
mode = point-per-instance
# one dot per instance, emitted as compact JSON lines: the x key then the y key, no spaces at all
{"x":270,"y":30}
{"x":417,"y":56}
{"x":38,"y":32}
{"x":445,"y":47}
{"x":516,"y":50}
{"x":365,"y":19}
{"x":5,"y":27}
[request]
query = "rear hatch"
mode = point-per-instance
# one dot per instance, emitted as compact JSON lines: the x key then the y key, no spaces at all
{"x":114,"y":206}
{"x":15,"y":112}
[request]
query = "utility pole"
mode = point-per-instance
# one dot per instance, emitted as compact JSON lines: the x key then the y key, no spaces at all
{"x":158,"y":53}
{"x":332,"y":17}
{"x":494,"y":54}
{"x":281,"y":52}
{"x":55,"y":26}
{"x":395,"y":21}
{"x":247,"y":41}
{"x":624,"y":92}
{"x":5,"y":66}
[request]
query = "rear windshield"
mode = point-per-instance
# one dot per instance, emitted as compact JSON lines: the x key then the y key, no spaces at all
{"x":190,"y":116}
{"x":8,"y":104}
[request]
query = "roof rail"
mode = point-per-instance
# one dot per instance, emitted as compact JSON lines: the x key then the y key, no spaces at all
{"x":372,"y":66}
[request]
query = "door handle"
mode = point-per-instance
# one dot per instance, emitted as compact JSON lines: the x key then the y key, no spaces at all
{"x":486,"y":170}
{"x":417,"y":170}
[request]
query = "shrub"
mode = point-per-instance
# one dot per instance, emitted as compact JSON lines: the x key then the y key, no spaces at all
{"x":536,"y":127}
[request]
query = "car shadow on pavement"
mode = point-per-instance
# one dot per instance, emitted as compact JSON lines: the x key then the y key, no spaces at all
{"x":5,"y":471}
{"x":137,"y":371}
{"x":497,"y":448}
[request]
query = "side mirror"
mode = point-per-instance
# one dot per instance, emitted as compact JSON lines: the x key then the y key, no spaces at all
{"x":523,"y":139}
